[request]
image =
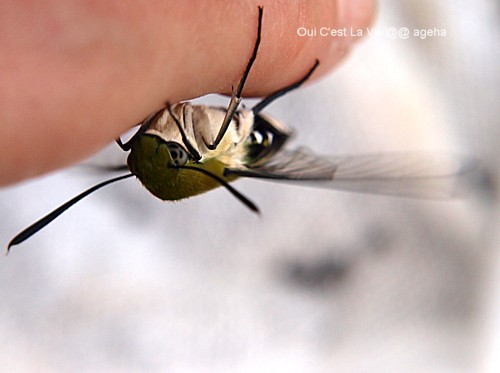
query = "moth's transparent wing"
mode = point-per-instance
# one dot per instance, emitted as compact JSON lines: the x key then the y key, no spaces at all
{"x":420,"y":175}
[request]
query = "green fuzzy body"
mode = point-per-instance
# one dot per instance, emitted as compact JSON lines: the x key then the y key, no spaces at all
{"x":150,"y":161}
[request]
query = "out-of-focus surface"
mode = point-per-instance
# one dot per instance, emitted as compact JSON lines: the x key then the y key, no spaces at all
{"x":324,"y":281}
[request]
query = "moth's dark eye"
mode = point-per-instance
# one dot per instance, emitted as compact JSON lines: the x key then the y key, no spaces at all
{"x":178,"y":154}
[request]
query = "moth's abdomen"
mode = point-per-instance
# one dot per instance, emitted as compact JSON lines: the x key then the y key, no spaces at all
{"x":267,"y":137}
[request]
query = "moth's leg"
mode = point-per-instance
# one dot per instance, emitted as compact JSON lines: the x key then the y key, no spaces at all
{"x":267,"y":100}
{"x":192,"y":151}
{"x":144,"y":125}
{"x":124,"y":147}
{"x":236,"y":96}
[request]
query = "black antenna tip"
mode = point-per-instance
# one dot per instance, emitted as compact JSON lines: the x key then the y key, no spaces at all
{"x":252,"y":206}
{"x":16,"y":240}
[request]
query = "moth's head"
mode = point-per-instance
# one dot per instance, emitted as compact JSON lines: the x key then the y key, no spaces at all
{"x":178,"y":154}
{"x":151,"y":152}
{"x":168,"y":170}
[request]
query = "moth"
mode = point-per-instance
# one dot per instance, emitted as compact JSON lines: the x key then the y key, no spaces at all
{"x":184,"y":150}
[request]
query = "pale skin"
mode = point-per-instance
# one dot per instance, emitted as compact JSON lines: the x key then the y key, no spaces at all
{"x":77,"y":74}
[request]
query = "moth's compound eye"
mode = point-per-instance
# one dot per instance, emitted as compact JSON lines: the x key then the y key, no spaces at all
{"x":178,"y":154}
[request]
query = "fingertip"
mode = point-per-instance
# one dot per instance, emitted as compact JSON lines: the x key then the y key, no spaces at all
{"x":107,"y":69}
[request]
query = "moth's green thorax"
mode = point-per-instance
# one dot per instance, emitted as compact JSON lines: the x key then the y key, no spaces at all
{"x":150,"y":160}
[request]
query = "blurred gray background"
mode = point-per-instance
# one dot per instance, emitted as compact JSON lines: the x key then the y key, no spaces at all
{"x":322,"y":282}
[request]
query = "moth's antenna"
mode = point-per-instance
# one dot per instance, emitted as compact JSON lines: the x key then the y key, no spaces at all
{"x":252,"y":206}
{"x":35,"y":227}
